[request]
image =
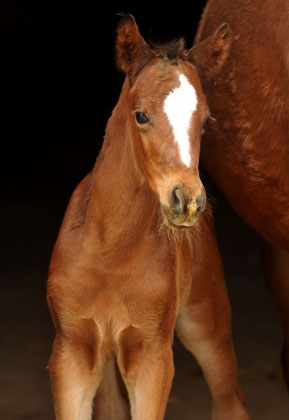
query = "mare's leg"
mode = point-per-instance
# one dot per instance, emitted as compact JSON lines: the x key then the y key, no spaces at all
{"x":147,"y":370}
{"x":73,"y":379}
{"x":276,"y":271}
{"x":204,"y":327}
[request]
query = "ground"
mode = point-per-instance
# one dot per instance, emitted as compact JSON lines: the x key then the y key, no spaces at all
{"x":28,"y":230}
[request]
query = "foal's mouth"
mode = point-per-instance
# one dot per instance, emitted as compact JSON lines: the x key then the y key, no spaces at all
{"x":178,"y":221}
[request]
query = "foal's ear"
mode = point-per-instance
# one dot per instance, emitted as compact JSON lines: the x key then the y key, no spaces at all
{"x":132,"y":52}
{"x":209,"y":55}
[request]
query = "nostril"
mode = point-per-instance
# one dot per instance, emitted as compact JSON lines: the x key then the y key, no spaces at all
{"x":177,"y":200}
{"x":201,"y":202}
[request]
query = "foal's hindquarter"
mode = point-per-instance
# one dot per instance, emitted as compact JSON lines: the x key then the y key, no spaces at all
{"x":120,"y":281}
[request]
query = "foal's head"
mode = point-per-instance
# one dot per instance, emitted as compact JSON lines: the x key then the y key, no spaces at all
{"x":168,"y":113}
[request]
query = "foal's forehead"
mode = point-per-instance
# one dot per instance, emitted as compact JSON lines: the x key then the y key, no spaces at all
{"x":160,"y":78}
{"x":174,"y":92}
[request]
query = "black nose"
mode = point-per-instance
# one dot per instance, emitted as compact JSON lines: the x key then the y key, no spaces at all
{"x":177,"y":200}
{"x":201,"y":202}
{"x":180,"y":204}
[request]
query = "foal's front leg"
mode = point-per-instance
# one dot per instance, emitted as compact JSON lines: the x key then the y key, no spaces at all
{"x":73,"y":381}
{"x":148,"y":374}
{"x":205,"y":329}
{"x":215,"y":355}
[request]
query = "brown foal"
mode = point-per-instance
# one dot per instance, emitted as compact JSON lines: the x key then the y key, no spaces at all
{"x":136,"y":255}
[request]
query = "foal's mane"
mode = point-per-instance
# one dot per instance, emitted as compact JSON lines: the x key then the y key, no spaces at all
{"x":172,"y":50}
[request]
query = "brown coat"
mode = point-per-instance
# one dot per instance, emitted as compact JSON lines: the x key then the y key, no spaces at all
{"x":125,"y":268}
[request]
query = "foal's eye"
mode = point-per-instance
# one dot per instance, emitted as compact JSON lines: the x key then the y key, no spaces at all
{"x":206,"y":122}
{"x":141,"y":117}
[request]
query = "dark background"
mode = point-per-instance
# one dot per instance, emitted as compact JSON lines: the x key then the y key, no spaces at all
{"x":59,"y":82}
{"x":58,"y":85}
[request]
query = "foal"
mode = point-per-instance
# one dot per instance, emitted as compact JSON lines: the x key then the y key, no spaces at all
{"x":136,"y":256}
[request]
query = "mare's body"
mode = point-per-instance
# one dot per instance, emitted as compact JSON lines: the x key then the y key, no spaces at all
{"x":246,"y":150}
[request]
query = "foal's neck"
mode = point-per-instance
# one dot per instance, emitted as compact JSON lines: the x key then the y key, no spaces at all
{"x":122,"y":206}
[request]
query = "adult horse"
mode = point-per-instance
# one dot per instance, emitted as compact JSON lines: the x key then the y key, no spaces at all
{"x":246,"y":150}
{"x":136,"y":255}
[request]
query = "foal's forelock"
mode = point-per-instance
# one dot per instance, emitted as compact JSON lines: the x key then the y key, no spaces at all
{"x":180,"y":106}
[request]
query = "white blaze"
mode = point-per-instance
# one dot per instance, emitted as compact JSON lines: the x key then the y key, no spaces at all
{"x":179,"y":106}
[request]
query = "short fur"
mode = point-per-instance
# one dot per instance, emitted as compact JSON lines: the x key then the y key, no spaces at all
{"x":121,"y":278}
{"x":246,"y":150}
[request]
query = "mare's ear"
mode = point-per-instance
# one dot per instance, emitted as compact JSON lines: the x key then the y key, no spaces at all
{"x":209,"y":55}
{"x":132,"y":52}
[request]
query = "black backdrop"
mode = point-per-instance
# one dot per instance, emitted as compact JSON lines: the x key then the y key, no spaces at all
{"x":59,"y":84}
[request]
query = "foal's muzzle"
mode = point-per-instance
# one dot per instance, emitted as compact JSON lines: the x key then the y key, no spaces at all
{"x":183,"y":210}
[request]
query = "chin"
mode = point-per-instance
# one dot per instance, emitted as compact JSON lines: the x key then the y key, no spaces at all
{"x":175,"y":223}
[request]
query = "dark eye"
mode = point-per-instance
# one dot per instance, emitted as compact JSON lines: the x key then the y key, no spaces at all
{"x":206,"y":122}
{"x":141,"y":118}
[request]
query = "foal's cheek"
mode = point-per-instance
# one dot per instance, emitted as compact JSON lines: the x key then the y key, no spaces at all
{"x":142,"y":157}
{"x":149,"y":160}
